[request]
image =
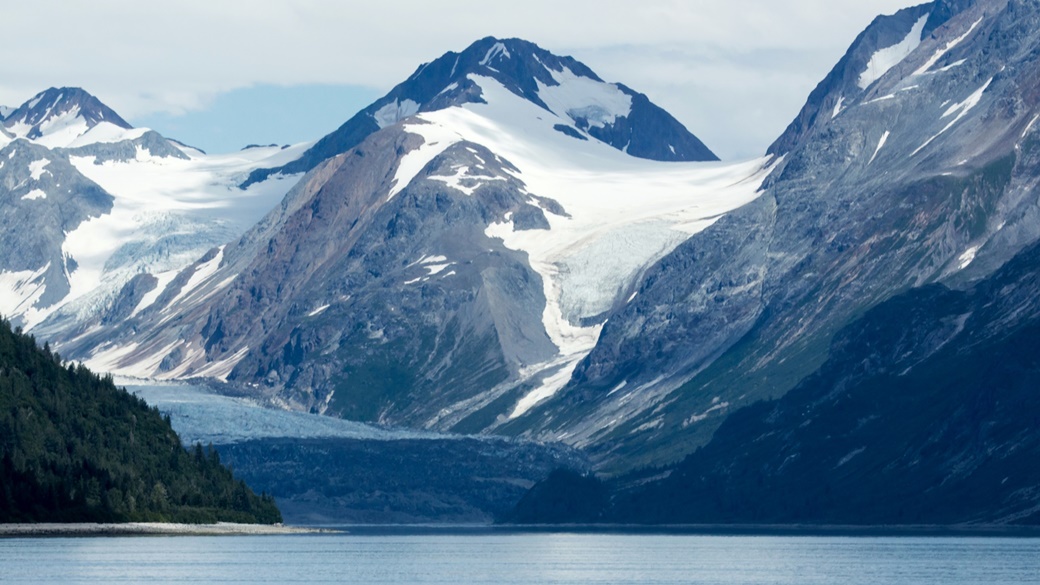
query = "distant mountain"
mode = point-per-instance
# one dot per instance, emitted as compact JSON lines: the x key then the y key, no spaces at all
{"x":108,"y":203}
{"x":77,"y":449}
{"x":58,"y":117}
{"x":585,"y":105}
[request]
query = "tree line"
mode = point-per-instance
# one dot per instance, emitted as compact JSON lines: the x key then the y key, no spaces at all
{"x":75,"y":448}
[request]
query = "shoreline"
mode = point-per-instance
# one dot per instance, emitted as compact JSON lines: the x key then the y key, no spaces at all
{"x":791,"y":530}
{"x":87,"y":529}
{"x":24,"y":530}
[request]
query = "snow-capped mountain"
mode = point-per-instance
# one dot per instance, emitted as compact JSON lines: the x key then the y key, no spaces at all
{"x":66,"y":117}
{"x":461,"y":256}
{"x":583,"y":105}
{"x":927,"y":174}
{"x":109,"y":203}
{"x":451,"y":269}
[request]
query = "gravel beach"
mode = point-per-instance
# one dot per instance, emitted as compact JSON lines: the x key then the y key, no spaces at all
{"x":151,"y":529}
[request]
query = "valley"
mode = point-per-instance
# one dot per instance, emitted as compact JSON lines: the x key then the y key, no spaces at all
{"x":507,"y":267}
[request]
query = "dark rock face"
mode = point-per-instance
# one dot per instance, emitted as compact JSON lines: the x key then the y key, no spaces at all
{"x":924,"y":413}
{"x":842,"y":85}
{"x":523,"y":68}
{"x":394,"y":482}
{"x":56,"y":102}
{"x":152,"y":142}
{"x":129,"y":297}
{"x":43,"y":197}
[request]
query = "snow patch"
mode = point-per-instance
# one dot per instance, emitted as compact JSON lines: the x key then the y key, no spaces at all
{"x":318,"y":311}
{"x":36,"y":168}
{"x":150,"y":297}
{"x":881,"y":143}
{"x":696,"y":418}
{"x":885,"y":59}
{"x":550,"y":386}
{"x":967,"y":257}
{"x":496,"y":50}
{"x":394,"y":112}
{"x":436,"y":139}
{"x":34,"y":194}
{"x":1029,"y":126}
{"x":195,"y":203}
{"x":837,"y":107}
{"x":952,"y":65}
{"x":221,"y":368}
{"x":201,"y":274}
{"x":946,"y":49}
{"x":463,"y":180}
{"x":599,"y":103}
{"x":19,"y":291}
{"x":961,"y":109}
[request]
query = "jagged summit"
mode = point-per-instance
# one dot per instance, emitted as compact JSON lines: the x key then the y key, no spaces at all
{"x":57,"y":116}
{"x":880,"y":48}
{"x":587,"y":107}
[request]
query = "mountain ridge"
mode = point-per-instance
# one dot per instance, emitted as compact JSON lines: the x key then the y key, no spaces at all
{"x":445,"y":82}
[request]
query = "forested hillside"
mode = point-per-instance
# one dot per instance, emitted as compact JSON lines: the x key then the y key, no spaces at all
{"x":74,"y":448}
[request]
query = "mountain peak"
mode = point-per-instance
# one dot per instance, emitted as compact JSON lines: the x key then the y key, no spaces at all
{"x":587,"y":107}
{"x":518,"y":64}
{"x":58,"y":115}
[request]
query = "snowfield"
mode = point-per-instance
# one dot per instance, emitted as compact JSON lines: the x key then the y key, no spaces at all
{"x":623,"y":213}
{"x":167,"y":213}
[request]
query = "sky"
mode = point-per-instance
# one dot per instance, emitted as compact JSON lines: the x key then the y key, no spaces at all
{"x":223,"y":74}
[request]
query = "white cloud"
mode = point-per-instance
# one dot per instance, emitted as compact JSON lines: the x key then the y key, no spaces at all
{"x":758,"y":57}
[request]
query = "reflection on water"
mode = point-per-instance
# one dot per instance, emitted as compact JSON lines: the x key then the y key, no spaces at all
{"x":461,"y":559}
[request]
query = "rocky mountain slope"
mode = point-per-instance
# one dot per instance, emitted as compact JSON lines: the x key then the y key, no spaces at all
{"x":88,"y":203}
{"x":450,"y":270}
{"x":913,"y":163}
{"x":925,"y":412}
{"x":492,"y":247}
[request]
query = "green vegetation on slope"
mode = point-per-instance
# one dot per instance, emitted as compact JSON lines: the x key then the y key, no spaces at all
{"x":74,"y":448}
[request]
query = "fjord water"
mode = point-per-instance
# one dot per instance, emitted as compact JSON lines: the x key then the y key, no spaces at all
{"x":461,"y":559}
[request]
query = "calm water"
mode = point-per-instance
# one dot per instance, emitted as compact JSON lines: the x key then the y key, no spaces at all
{"x":521,"y":558}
